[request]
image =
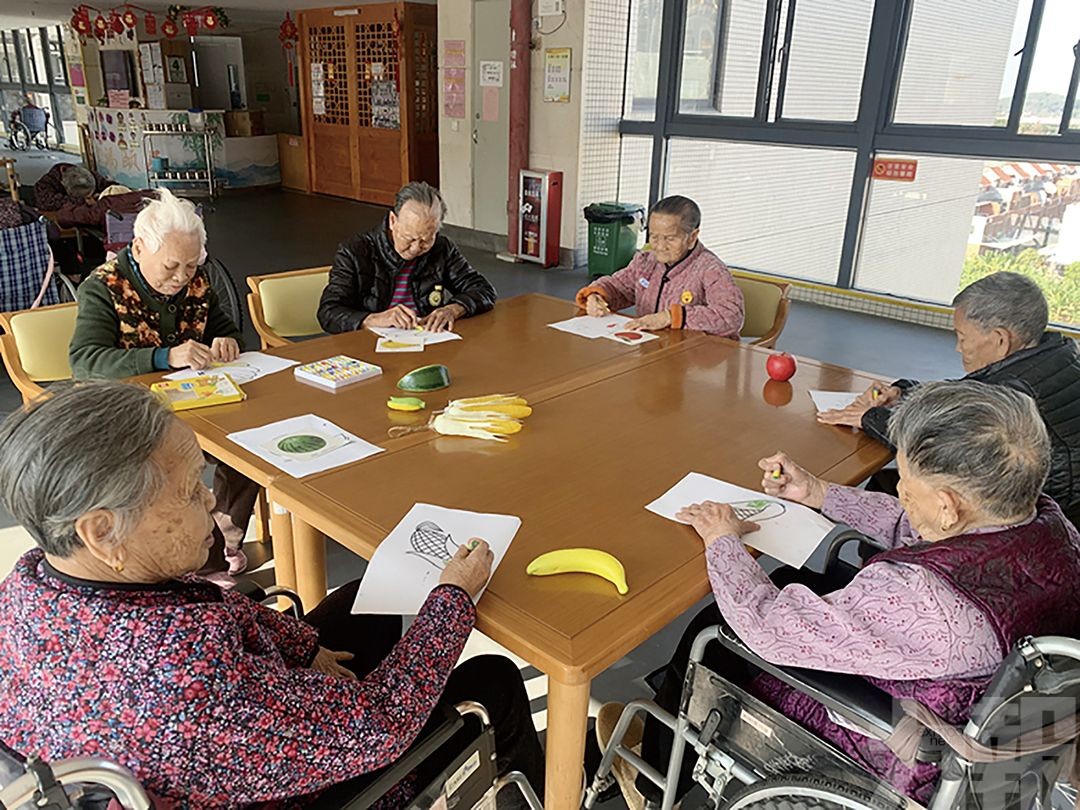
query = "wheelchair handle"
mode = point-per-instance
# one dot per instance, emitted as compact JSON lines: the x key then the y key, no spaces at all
{"x":92,"y":771}
{"x":476,"y":709}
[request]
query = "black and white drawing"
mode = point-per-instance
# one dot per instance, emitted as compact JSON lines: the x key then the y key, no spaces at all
{"x":431,"y":543}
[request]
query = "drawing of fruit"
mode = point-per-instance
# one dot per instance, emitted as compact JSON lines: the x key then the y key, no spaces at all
{"x":303,"y":443}
{"x":758,"y":510}
{"x":629,"y":335}
{"x":432,"y":543}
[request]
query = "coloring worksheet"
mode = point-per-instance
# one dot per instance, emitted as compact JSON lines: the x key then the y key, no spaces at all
{"x":304,"y":445}
{"x":417,"y":335}
{"x":832,"y":400}
{"x":409,"y":561}
{"x":589,"y":327}
{"x":631,"y":337}
{"x":248,"y":367}
{"x":789,"y":531}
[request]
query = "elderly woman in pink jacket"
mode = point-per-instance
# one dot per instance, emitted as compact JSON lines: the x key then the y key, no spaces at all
{"x":677,"y":284}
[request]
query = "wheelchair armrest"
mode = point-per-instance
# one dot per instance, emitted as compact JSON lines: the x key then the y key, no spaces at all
{"x":253,"y":590}
{"x":841,"y":540}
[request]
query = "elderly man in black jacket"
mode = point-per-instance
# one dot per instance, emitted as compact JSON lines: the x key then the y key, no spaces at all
{"x":403,"y":273}
{"x":1000,"y":323}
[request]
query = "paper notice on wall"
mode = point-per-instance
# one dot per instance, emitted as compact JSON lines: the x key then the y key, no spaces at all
{"x":490,"y":109}
{"x":318,"y":106}
{"x":316,"y":71}
{"x":155,"y":97}
{"x":491,"y":74}
{"x":557,"y":75}
{"x":454,"y":53}
{"x":454,"y":92}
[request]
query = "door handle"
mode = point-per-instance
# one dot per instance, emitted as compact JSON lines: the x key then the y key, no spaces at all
{"x":475,"y":137}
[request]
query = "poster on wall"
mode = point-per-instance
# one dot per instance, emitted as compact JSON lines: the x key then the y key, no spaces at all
{"x":490,"y":108}
{"x":491,"y":74}
{"x":454,"y":53}
{"x":318,"y":90}
{"x":318,"y":106}
{"x":385,"y":106}
{"x":557,"y":75}
{"x":176,"y":70}
{"x":76,"y":75}
{"x":454,"y":92}
{"x":119,"y":98}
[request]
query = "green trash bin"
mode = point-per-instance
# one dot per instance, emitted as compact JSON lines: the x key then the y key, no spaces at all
{"x":613,"y":235}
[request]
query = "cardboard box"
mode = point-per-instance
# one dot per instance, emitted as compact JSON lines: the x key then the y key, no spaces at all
{"x":293,"y":159}
{"x":244,"y":123}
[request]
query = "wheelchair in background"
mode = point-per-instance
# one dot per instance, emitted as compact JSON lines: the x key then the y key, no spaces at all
{"x":28,"y":126}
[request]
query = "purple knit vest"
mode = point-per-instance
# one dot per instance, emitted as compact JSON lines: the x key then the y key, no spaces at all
{"x":1023,"y":579}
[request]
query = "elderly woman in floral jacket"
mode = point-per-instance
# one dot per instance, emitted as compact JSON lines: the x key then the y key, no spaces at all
{"x":152,"y":309}
{"x":111,"y":648}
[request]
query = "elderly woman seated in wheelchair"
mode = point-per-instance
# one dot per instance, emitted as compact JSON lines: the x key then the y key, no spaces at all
{"x":110,"y":648}
{"x":972,"y":562}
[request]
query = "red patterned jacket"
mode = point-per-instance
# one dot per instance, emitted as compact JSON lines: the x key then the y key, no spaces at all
{"x":205,"y":694}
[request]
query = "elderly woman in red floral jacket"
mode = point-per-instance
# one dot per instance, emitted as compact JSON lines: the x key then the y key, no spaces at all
{"x":110,"y":648}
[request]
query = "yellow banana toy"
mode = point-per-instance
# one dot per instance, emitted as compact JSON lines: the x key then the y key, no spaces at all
{"x":580,"y":560}
{"x":492,"y":417}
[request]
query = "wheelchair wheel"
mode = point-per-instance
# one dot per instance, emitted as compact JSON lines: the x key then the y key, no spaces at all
{"x":20,"y":137}
{"x":222,"y":283}
{"x":807,"y":793}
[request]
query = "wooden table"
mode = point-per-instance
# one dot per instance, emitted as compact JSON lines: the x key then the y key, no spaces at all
{"x":613,"y":428}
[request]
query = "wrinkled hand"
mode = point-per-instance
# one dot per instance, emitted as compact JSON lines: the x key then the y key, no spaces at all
{"x":469,"y":568}
{"x":596,"y":306}
{"x":851,"y":416}
{"x":191,"y":354}
{"x":715,"y":520}
{"x":399,"y":316}
{"x":224,"y":350}
{"x":328,"y":662}
{"x":442,"y":319}
{"x":785,"y":479}
{"x":878,"y":395}
{"x":651,"y":323}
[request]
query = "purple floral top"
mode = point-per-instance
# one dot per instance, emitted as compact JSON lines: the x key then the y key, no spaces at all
{"x":893,"y":621}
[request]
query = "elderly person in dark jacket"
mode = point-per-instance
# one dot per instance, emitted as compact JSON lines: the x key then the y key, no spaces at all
{"x":68,"y":184}
{"x":112,"y":648}
{"x":404,"y":273}
{"x":1001,"y":335}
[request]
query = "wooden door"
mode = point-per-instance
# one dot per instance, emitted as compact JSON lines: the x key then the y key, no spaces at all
{"x":327,"y":63}
{"x":420,"y":98}
{"x":377,"y":35}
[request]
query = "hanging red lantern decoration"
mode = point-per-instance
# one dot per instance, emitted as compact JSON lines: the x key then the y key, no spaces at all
{"x":288,"y":35}
{"x":116,"y":25}
{"x":129,"y":18}
{"x":80,"y":21}
{"x":101,"y":26}
{"x":150,"y":22}
{"x":210,"y":20}
{"x":169,"y":29}
{"x":191,"y":24}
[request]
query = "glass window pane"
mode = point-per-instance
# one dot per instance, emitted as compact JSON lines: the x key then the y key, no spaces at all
{"x":635,"y":169}
{"x":39,"y":56}
{"x":1051,"y":68}
{"x":721,"y":56}
{"x":643,"y":59}
{"x":828,"y":53}
{"x":9,"y":70}
{"x":963,"y":219}
{"x":959,"y":67}
{"x":776,"y":209}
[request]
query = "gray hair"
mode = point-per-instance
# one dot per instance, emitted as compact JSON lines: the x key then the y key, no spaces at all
{"x":169,"y":214}
{"x":85,"y":447}
{"x":1005,"y":301}
{"x":423,"y":194}
{"x":78,"y":182}
{"x":987,"y":442}
{"x":684,"y":208}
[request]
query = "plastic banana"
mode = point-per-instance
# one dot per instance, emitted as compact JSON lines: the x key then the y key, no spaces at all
{"x":580,"y":560}
{"x":493,"y":426}
{"x":505,"y":404}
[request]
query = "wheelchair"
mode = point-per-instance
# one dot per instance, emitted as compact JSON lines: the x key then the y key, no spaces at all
{"x":1017,"y":751}
{"x":465,"y":779}
{"x":28,"y":126}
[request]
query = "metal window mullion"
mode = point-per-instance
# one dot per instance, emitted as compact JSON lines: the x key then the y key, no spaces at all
{"x":63,"y":56}
{"x":785,"y":59}
{"x":672,"y":32}
{"x":58,"y":123}
{"x":765,"y":63}
{"x":902,"y":23}
{"x":30,"y":57}
{"x":1070,"y":96}
{"x":1023,"y":75}
{"x":19,"y":60}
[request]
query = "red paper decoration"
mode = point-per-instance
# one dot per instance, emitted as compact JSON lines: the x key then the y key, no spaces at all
{"x":116,"y":25}
{"x":129,"y":18}
{"x":80,"y":21}
{"x":101,"y":26}
{"x":191,"y":24}
{"x":150,"y":21}
{"x":210,"y":20}
{"x":169,"y":29}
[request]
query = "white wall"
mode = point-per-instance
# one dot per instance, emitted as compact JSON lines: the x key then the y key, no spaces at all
{"x":455,"y":134}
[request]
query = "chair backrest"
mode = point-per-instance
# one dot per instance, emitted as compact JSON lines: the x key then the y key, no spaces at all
{"x":24,"y":262}
{"x":38,"y":339}
{"x":33,"y":118}
{"x":290,"y":301}
{"x":766,"y":305}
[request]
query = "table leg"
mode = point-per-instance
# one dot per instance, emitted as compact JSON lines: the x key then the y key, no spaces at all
{"x":282,"y":540}
{"x":568,"y":718}
{"x":310,"y":549}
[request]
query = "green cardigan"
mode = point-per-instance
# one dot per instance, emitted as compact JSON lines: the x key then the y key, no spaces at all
{"x":120,"y":323}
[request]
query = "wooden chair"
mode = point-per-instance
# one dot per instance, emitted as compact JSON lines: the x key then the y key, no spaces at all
{"x":767,"y":306}
{"x":285,"y":305}
{"x":35,"y":346}
{"x":8,"y":164}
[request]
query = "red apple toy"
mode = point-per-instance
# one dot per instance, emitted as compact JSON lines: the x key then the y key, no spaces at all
{"x":780,"y":366}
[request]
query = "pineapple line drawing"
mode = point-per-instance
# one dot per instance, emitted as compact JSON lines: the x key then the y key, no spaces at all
{"x":431,"y":543}
{"x":758,"y":510}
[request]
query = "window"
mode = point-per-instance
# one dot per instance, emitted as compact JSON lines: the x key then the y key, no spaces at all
{"x":775,"y":209}
{"x":963,"y":219}
{"x":642,"y":60}
{"x":635,"y":169}
{"x":9,"y":68}
{"x":721,"y":57}
{"x":1051,"y":69}
{"x":56,"y":57}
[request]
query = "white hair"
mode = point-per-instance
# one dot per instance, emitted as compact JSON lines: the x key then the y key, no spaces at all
{"x":169,"y":214}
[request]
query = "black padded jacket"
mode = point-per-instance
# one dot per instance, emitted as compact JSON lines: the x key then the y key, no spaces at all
{"x":1049,"y":373}
{"x":362,"y":280}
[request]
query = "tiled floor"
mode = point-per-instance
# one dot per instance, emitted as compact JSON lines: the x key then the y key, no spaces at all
{"x":270,"y":232}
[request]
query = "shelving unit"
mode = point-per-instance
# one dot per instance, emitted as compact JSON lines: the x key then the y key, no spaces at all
{"x":199,"y":176}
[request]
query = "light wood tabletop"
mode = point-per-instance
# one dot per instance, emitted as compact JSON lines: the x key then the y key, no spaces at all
{"x":613,"y":428}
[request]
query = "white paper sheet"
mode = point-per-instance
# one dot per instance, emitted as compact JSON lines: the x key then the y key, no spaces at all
{"x":832,"y":400}
{"x":589,"y":327}
{"x":316,"y":445}
{"x":248,"y":367}
{"x":789,"y":531}
{"x":631,"y":337}
{"x":389,"y":345}
{"x":414,"y":335}
{"x":409,"y":561}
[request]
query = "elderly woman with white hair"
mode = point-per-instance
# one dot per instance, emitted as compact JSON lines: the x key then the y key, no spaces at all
{"x":109,"y":647}
{"x":152,"y":308}
{"x":973,"y":558}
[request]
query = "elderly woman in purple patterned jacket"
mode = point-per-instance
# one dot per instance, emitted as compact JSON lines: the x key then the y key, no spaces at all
{"x":110,"y":647}
{"x":973,"y":559}
{"x":677,"y":284}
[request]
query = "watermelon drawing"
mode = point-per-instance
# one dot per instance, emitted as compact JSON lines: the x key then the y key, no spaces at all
{"x":300,"y":444}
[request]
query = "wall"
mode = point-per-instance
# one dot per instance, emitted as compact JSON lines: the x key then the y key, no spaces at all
{"x":455,"y":134}
{"x":266,"y":69}
{"x":213,"y":56}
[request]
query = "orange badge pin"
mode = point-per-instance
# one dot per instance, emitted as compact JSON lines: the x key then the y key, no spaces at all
{"x":687,"y":297}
